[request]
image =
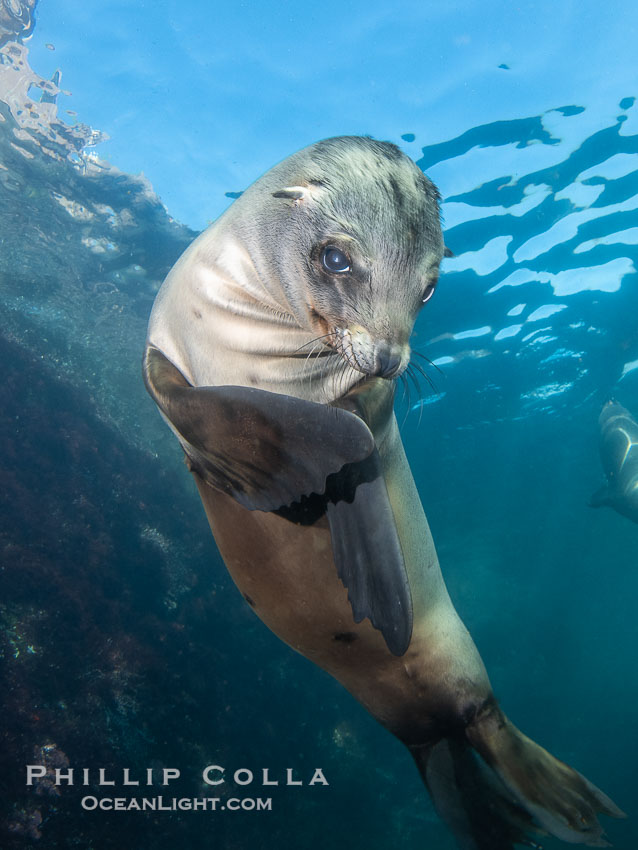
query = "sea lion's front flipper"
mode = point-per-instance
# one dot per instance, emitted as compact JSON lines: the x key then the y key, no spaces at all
{"x":367,"y":552}
{"x":365,"y":542}
{"x":266,"y":450}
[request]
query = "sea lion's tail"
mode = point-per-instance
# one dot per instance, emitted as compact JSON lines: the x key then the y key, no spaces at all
{"x":512,"y":792}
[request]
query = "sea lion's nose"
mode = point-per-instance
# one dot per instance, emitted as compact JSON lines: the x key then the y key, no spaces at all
{"x":388,"y":361}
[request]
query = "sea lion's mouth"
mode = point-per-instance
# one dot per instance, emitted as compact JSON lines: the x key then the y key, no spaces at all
{"x":360,"y":350}
{"x":367,"y":355}
{"x":321,"y":324}
{"x":343,"y":344}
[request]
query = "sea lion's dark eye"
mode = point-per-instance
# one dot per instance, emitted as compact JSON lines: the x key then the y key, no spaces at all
{"x":334,"y":260}
{"x":428,"y":292}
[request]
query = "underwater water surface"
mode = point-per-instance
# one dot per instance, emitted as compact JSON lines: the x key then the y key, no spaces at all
{"x":123,"y":640}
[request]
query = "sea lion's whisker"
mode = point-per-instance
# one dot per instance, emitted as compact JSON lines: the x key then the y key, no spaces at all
{"x":406,"y":393}
{"x":421,"y":406}
{"x":420,"y":393}
{"x":410,"y":374}
{"x":340,"y":377}
{"x":406,"y":387}
{"x":427,"y":360}
{"x":307,"y":364}
{"x":316,"y":339}
{"x":344,"y":376}
{"x":309,"y":355}
{"x":426,"y":376}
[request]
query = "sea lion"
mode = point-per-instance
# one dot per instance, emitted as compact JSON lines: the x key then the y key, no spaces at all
{"x":619,"y":456}
{"x":272,"y":352}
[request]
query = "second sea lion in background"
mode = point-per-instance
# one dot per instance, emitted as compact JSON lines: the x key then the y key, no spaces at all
{"x":619,"y":456}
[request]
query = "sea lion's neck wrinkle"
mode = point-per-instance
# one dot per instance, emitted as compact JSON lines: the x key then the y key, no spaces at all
{"x":250,"y":273}
{"x":220,"y":290}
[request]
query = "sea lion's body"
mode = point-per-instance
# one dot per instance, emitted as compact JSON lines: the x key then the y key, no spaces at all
{"x":619,"y":457}
{"x":270,"y":353}
{"x":415,"y":695}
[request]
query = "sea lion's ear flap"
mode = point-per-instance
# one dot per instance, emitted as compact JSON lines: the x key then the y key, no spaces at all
{"x":266,"y":450}
{"x":447,"y":252}
{"x":292,"y":193}
{"x":301,"y":193}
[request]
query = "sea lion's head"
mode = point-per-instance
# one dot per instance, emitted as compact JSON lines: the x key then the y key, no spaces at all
{"x":351,"y":232}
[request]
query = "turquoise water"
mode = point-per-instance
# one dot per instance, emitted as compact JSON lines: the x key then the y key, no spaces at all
{"x":124,"y":643}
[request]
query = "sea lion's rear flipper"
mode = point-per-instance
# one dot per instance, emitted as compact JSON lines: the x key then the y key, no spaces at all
{"x":555,"y":797}
{"x":264,"y":449}
{"x":495,"y":788}
{"x":471,"y":800}
{"x":268,"y":450}
{"x":367,"y":551}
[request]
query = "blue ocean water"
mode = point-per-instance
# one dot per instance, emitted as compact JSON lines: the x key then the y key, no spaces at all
{"x":124,"y":643}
